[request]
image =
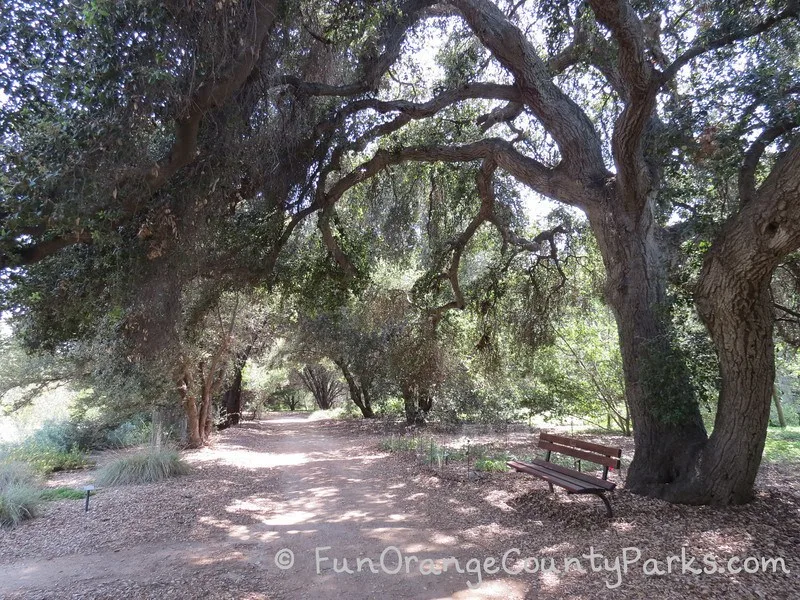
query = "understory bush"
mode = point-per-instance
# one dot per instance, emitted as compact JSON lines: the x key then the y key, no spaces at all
{"x":67,"y":435}
{"x":46,"y":459}
{"x":19,"y":493}
{"x":154,"y":464}
{"x":130,"y":433}
{"x":492,"y":464}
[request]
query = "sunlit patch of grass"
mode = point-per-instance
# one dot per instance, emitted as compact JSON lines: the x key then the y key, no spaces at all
{"x":62,"y":493}
{"x":783,"y":445}
{"x":492,"y":465}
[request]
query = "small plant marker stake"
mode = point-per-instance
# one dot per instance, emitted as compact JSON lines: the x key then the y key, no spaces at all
{"x":467,"y":459}
{"x":88,"y":489}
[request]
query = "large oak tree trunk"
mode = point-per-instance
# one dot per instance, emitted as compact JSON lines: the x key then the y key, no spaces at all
{"x":738,"y":313}
{"x":674,"y":459}
{"x":734,"y":301}
{"x":667,"y":426}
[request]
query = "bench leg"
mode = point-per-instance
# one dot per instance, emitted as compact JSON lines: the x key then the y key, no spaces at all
{"x":602,"y":497}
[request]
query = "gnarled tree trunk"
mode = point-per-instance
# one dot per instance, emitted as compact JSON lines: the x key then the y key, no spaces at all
{"x":734,"y":301}
{"x":194,"y":436}
{"x":668,"y":429}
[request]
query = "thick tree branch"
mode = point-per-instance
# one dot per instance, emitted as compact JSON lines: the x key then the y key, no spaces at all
{"x":408,"y":112}
{"x":213,"y":94}
{"x":551,"y":182}
{"x":460,"y":243}
{"x":747,"y":171}
{"x":572,"y":130}
{"x":393,"y":31}
{"x":501,"y":114}
{"x":637,"y":76}
{"x":621,"y":19}
{"x":332,"y":245}
{"x":791,"y":11}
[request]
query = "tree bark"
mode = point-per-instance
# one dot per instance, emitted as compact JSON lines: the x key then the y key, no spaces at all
{"x":232,"y":398}
{"x":668,"y":429}
{"x":411,"y":403}
{"x":232,"y":402}
{"x":194,"y":438}
{"x":776,"y":397}
{"x":358,"y":394}
{"x":205,"y":418}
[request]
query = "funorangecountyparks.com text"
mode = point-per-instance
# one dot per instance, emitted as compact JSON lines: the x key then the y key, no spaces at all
{"x":393,"y":561}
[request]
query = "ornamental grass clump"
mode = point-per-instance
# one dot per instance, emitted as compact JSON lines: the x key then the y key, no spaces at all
{"x":19,"y":493}
{"x":154,"y":464}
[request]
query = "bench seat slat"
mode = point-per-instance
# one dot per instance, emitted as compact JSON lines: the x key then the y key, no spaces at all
{"x":574,"y":482}
{"x":595,"y":481}
{"x":571,"y":485}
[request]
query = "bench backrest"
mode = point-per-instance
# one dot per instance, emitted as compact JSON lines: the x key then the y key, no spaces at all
{"x":607,"y":456}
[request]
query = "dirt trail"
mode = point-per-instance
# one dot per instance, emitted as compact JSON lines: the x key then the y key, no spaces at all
{"x":329,"y":501}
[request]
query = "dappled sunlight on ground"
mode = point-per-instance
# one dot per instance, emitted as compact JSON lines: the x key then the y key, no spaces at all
{"x":247,"y":459}
{"x":287,"y":483}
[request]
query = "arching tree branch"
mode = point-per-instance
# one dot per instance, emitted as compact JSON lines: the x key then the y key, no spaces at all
{"x":747,"y":170}
{"x":792,"y":11}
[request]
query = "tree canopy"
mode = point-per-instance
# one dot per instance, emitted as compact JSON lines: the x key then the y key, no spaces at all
{"x":160,"y":159}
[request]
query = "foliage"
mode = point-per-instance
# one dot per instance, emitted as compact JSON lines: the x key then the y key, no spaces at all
{"x":495,"y":464}
{"x":400,"y":444}
{"x":45,"y":458}
{"x":149,"y":466}
{"x":19,"y":493}
{"x":148,"y":195}
{"x":783,"y":445}
{"x":130,"y":433}
{"x":82,"y":435}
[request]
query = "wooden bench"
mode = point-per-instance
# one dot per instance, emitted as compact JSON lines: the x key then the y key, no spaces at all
{"x":573,"y":480}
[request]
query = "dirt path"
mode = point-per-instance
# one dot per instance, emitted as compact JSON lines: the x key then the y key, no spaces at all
{"x":321,"y":490}
{"x":324,"y":500}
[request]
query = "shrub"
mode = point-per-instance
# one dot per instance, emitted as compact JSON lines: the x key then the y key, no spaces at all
{"x":130,"y":433}
{"x":47,"y":459}
{"x":66,"y":435}
{"x":400,"y":444}
{"x":13,"y":472}
{"x":144,"y":467}
{"x":19,"y":495}
{"x":497,"y":465}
